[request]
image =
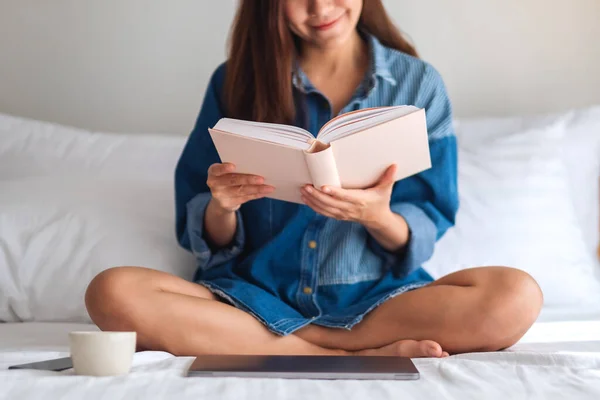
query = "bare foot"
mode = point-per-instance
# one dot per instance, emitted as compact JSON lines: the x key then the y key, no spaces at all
{"x":407,"y":348}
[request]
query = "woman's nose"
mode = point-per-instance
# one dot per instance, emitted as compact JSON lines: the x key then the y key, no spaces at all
{"x":321,"y":9}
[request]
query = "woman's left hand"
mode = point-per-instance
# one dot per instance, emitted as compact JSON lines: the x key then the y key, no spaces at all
{"x":369,"y":207}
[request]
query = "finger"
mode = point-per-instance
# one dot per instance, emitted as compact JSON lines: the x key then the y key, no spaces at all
{"x":315,"y":207}
{"x":220,"y":169}
{"x":326,"y":207}
{"x":235,"y":202}
{"x":346,"y":195}
{"x":387,"y":179}
{"x":324,"y":199}
{"x":323,"y":210}
{"x":247,"y":198}
{"x":236,"y":180}
{"x":244,"y":190}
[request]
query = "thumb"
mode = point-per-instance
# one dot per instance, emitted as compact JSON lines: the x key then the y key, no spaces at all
{"x":387,"y":179}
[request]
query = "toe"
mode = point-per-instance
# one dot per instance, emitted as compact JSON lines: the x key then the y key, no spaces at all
{"x":429,"y":348}
{"x":415,"y":349}
{"x":445,"y":354}
{"x":407,"y":348}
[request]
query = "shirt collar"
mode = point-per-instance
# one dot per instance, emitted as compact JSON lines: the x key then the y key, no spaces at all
{"x":380,"y":63}
{"x":379,"y":66}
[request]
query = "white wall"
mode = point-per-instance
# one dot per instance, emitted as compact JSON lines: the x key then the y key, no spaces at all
{"x":142,"y":65}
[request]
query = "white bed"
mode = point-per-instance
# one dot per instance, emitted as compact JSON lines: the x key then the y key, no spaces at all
{"x":70,"y":207}
{"x":559,"y":359}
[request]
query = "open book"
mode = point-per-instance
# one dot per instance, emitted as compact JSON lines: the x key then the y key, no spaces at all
{"x":351,"y":151}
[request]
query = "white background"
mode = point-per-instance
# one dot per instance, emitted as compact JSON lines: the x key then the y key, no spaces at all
{"x":142,"y":65}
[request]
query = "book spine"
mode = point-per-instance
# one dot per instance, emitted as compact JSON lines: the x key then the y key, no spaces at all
{"x":322,"y":166}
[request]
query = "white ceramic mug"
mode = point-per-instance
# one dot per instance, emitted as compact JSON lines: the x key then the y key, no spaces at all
{"x":102,"y":353}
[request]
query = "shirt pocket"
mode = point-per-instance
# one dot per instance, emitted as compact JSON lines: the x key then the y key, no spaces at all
{"x":345,"y":257}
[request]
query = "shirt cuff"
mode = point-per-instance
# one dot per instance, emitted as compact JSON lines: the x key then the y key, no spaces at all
{"x":206,"y":256}
{"x":421,"y":242}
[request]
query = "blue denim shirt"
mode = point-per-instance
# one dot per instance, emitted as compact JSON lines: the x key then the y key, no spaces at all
{"x":289,"y":266}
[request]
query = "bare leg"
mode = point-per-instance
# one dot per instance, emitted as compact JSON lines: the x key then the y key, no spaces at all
{"x":479,"y":309}
{"x":183,"y":318}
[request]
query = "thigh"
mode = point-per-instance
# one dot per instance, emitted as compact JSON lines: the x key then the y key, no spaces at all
{"x":127,"y":298}
{"x":151,"y":279}
{"x":462,"y":290}
{"x":492,"y":277}
{"x":466,"y":277}
{"x":123,"y":287}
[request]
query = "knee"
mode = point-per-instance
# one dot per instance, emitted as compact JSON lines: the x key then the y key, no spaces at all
{"x":108,"y":298}
{"x":511,"y":301}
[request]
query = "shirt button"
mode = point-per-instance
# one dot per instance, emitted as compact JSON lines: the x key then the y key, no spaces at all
{"x":312,"y":244}
{"x":307,"y":290}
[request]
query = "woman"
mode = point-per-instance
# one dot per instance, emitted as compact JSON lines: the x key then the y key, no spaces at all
{"x":341,"y":274}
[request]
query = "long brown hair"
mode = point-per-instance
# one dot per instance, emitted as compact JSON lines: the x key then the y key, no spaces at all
{"x":258,"y":80}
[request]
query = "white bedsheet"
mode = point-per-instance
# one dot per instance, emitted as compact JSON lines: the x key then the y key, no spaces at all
{"x":557,"y":358}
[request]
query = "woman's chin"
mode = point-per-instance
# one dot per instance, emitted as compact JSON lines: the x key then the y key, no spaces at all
{"x":330,"y":39}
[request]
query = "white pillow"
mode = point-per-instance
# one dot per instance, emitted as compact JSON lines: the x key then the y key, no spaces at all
{"x":581,"y":152}
{"x":73,"y":203}
{"x":580,"y":149}
{"x":516,"y":209}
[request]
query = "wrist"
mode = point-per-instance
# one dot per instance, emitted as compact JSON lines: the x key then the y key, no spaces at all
{"x":217,"y":210}
{"x":379,"y":220}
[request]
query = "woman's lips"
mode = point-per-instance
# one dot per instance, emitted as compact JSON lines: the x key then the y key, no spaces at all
{"x":324,"y":27}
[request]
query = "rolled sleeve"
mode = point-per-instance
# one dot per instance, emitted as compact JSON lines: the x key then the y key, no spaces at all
{"x":422,"y":237}
{"x":206,"y":256}
{"x":419,"y":248}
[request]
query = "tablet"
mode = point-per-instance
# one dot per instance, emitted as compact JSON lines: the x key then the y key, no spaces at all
{"x":304,"y":367}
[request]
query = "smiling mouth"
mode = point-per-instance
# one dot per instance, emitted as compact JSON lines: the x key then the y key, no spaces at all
{"x":327,"y":25}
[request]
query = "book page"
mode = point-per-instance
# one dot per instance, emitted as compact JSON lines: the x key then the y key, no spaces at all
{"x":359,"y":121}
{"x":349,"y":117}
{"x":286,"y":135}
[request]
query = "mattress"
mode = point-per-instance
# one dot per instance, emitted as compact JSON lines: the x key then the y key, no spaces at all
{"x":558,"y":358}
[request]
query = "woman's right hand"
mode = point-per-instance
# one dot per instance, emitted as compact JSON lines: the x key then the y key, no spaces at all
{"x":230,"y":190}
